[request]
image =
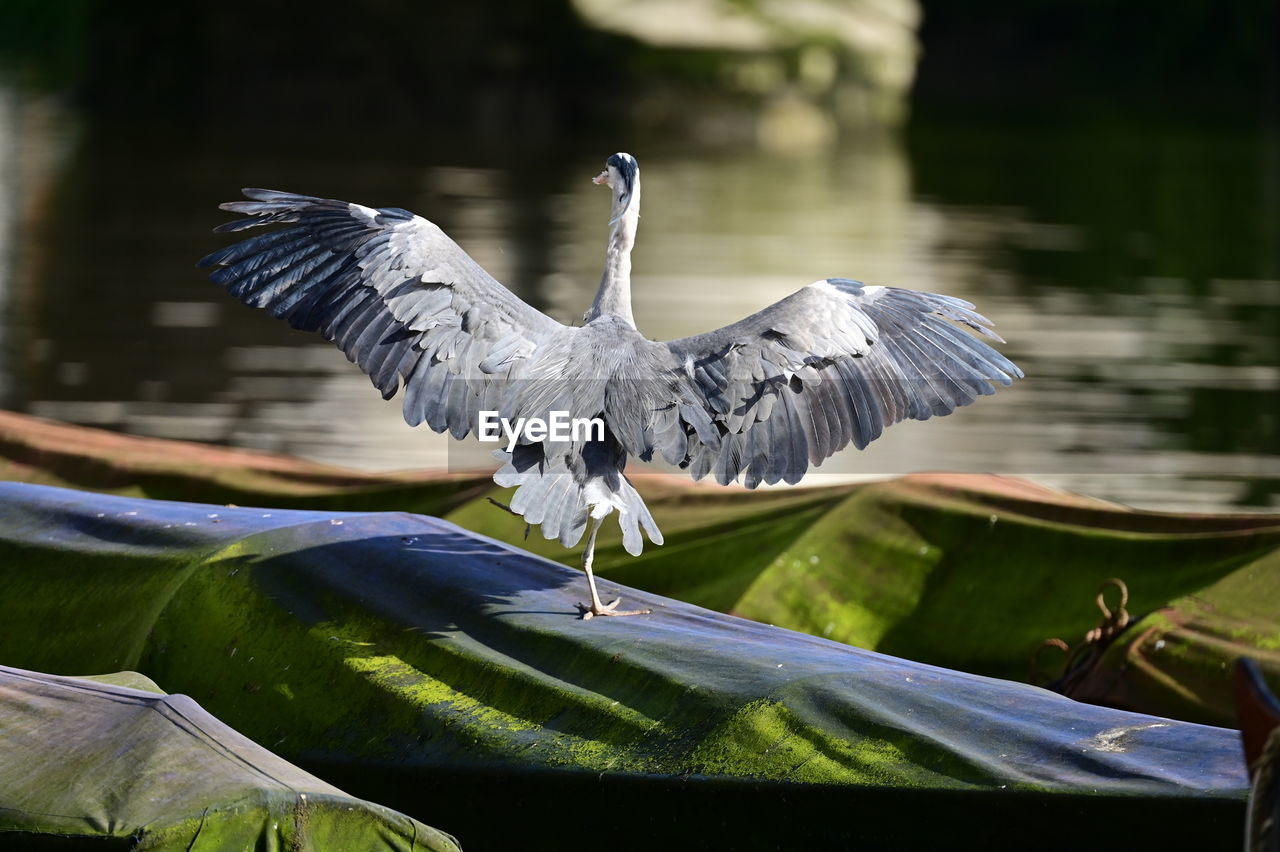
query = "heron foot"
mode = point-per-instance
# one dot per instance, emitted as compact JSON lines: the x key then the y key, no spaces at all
{"x":608,"y":609}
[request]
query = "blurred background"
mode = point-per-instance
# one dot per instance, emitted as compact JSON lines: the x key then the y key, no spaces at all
{"x":1101,"y":177}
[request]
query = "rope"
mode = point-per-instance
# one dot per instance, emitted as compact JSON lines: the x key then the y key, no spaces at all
{"x":1081,"y":659}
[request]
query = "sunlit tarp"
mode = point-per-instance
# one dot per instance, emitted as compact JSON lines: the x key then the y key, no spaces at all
{"x":967,"y":572}
{"x":426,"y":667}
{"x":85,"y":759}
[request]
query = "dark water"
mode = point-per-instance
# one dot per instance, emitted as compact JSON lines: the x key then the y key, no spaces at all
{"x":1132,"y":264}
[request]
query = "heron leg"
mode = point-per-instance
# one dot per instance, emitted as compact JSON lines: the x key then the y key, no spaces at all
{"x":598,"y":608}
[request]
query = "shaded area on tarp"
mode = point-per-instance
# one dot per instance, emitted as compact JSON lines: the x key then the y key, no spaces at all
{"x":390,"y":646}
{"x":967,"y":572}
{"x":83,"y":759}
{"x":1179,"y":656}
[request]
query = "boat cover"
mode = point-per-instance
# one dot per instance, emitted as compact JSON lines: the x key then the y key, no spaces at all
{"x":428,"y":667}
{"x":90,"y":759}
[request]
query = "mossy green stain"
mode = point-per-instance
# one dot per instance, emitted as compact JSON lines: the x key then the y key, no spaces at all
{"x":768,"y":739}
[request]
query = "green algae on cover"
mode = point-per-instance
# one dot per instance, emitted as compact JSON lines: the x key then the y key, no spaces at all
{"x":417,"y":664}
{"x":401,"y":638}
{"x":968,"y":572}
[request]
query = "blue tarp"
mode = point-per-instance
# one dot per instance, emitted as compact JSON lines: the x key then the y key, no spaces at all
{"x":423,"y":666}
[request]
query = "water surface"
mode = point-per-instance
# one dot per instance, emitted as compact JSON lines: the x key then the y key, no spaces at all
{"x":1132,"y":265}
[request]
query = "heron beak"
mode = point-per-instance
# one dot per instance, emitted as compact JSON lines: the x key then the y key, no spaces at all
{"x":603,"y":177}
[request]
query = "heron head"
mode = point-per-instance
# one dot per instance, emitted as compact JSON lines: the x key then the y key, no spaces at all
{"x":622,"y":175}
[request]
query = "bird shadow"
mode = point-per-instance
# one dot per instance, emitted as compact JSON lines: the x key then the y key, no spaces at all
{"x":471,"y":613}
{"x":418,"y":573}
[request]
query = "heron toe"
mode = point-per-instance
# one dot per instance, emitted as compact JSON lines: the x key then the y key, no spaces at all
{"x":611,"y":608}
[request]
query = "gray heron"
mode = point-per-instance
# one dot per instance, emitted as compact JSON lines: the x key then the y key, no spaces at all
{"x":761,"y":399}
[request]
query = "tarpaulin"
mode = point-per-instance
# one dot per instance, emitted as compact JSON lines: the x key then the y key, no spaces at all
{"x":84,"y":760}
{"x":964,"y":571}
{"x":446,"y":674}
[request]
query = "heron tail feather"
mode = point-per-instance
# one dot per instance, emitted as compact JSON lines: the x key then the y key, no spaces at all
{"x":560,"y":493}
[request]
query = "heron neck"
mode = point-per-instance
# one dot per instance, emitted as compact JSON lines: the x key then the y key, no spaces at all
{"x":614,"y":296}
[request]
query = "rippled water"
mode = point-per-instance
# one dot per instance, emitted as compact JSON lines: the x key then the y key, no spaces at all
{"x":1134,"y":268}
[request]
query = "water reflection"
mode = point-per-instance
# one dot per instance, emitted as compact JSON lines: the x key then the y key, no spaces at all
{"x":35,"y":138}
{"x":1150,"y":348}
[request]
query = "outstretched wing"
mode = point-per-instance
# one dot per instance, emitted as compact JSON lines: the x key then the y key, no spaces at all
{"x":402,"y":300}
{"x":832,"y":364}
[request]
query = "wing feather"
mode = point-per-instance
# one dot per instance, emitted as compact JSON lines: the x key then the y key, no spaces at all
{"x":832,"y":364}
{"x":401,"y":299}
